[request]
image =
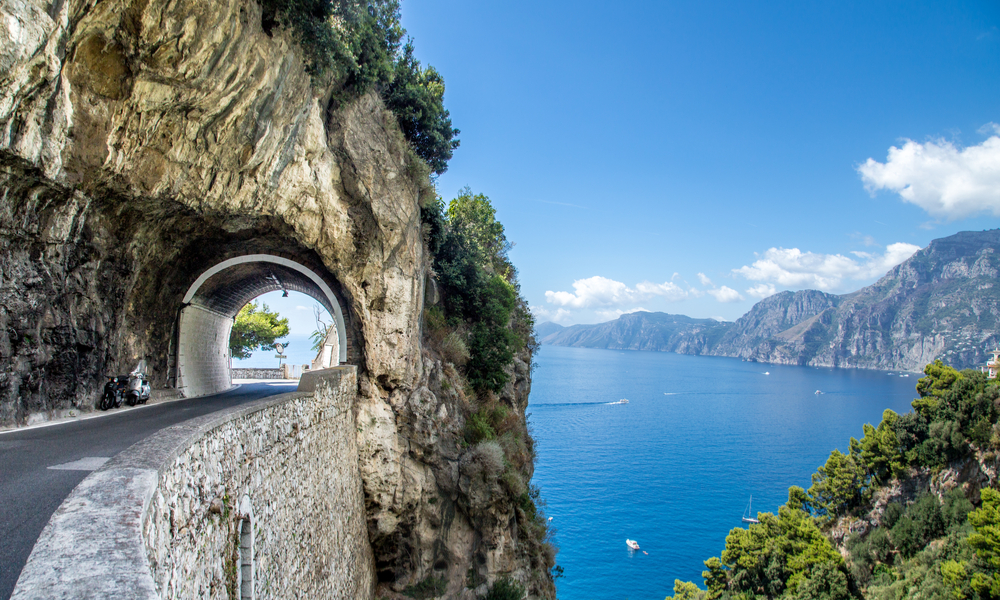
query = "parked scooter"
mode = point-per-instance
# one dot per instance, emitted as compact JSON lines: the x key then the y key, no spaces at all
{"x":138,"y":389}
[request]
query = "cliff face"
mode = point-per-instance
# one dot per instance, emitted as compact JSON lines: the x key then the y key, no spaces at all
{"x":943,"y":302}
{"x":940,"y":303}
{"x":141,"y":143}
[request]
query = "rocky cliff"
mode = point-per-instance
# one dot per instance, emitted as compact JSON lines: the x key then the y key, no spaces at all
{"x":940,"y":303}
{"x":943,"y":302}
{"x":142,"y":142}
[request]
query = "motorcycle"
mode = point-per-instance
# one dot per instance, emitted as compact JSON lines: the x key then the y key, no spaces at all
{"x":139,"y":390}
{"x":114,"y":389}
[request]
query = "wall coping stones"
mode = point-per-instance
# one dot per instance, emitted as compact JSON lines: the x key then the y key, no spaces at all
{"x":92,"y":546}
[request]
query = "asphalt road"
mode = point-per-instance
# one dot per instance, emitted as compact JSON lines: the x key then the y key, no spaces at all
{"x":30,"y":491}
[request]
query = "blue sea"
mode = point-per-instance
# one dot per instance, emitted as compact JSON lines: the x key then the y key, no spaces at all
{"x":675,"y":468}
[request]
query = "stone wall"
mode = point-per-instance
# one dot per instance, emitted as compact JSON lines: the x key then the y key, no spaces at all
{"x":247,"y":373}
{"x":163,"y":519}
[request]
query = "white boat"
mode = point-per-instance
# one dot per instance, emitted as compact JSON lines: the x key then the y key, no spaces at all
{"x":623,"y":401}
{"x":767,"y":372}
{"x":634,"y":545}
{"x":748,"y":514}
{"x":817,"y":392}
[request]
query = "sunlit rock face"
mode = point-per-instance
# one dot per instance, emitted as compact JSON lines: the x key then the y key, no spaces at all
{"x":142,"y":142}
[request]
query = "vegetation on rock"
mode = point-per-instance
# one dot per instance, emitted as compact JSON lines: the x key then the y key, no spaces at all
{"x":255,"y":328}
{"x":855,"y":534}
{"x":481,"y":302}
{"x":481,"y":328}
{"x":356,"y":46}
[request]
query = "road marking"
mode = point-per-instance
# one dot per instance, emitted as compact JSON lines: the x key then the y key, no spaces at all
{"x":87,"y":463}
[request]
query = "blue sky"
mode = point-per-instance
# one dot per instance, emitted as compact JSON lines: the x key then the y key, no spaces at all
{"x":691,"y":157}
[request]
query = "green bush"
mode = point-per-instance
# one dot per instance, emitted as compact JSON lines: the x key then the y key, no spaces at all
{"x":431,"y":587}
{"x":505,"y":588}
{"x":479,"y":286}
{"x":416,"y":96}
{"x":921,"y":523}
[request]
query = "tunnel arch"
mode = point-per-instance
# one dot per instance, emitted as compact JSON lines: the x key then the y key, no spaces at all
{"x":216,"y":296}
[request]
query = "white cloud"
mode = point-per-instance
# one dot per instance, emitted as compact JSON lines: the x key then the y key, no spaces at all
{"x":556,"y":316}
{"x":726,"y":294}
{"x":300,"y":307}
{"x":762,"y":290}
{"x":598,"y":292}
{"x":668,"y":289}
{"x":594,"y":291}
{"x":944,"y":180}
{"x":704,"y":279}
{"x":793,"y":268}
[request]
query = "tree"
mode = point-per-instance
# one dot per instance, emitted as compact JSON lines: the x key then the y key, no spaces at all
{"x":416,"y":96}
{"x":836,"y":485}
{"x":255,"y":328}
{"x":318,"y":336}
{"x":986,"y":542}
{"x":880,"y":449}
{"x":938,"y":380}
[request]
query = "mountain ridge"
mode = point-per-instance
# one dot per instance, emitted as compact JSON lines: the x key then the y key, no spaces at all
{"x":942,"y":302}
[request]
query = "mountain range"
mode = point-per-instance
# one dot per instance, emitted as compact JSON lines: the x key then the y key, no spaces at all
{"x":943,"y":302}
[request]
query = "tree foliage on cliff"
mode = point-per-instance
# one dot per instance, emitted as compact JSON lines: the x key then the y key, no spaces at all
{"x":479,"y":285}
{"x":255,"y":328}
{"x":932,"y":548}
{"x":356,"y":45}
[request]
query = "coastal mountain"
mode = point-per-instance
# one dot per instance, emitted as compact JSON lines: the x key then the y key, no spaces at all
{"x":641,"y":331}
{"x":943,"y":302}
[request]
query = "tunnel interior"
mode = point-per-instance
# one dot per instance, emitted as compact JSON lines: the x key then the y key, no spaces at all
{"x":211,"y":303}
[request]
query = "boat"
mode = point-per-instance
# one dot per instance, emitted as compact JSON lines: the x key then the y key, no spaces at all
{"x":634,"y":545}
{"x":767,"y":372}
{"x":817,"y":392}
{"x":623,"y":401}
{"x":747,"y":514}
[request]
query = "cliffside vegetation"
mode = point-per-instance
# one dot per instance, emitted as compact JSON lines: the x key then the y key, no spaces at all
{"x":357,"y":45}
{"x":892,"y":518}
{"x":483,"y":328}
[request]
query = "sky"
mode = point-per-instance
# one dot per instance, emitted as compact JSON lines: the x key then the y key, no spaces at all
{"x":693,"y":157}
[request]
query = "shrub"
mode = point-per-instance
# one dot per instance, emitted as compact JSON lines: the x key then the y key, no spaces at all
{"x":505,"y":588}
{"x":454,"y":350}
{"x":416,"y":96}
{"x":431,"y":587}
{"x":921,"y":523}
{"x":483,"y":460}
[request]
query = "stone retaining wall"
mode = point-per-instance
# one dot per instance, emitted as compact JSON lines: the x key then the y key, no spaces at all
{"x":163,"y":518}
{"x":248,"y":373}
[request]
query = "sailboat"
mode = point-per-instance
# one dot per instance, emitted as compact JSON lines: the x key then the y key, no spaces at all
{"x":747,"y":514}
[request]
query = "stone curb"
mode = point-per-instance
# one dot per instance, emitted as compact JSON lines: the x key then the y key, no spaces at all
{"x":92,"y":547}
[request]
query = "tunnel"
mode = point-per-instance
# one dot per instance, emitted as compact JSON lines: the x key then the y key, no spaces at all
{"x":208,"y":308}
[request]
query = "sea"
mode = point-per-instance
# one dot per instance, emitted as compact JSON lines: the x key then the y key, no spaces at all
{"x":676,"y":466}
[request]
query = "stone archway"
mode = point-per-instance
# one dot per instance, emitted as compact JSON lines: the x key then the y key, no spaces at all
{"x":216,"y":296}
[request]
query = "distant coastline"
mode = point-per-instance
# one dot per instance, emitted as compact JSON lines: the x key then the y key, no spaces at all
{"x":941,"y":303}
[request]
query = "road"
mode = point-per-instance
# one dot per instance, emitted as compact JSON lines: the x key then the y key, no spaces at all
{"x":31,"y":489}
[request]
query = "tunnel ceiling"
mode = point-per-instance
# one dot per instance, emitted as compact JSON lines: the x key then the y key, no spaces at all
{"x":227,"y":291}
